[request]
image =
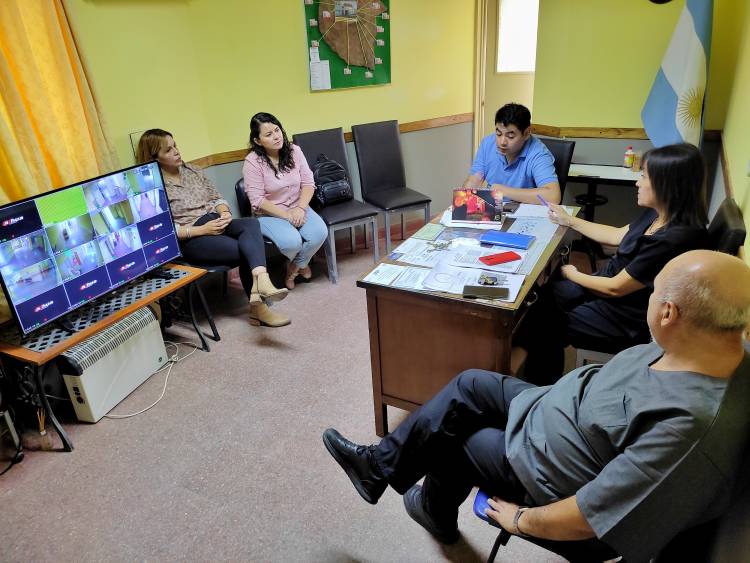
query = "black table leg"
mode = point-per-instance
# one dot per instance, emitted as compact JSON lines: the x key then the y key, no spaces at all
{"x":67,"y":444}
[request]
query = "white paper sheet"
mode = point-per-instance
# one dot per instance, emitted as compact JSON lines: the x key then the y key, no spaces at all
{"x":419,"y":252}
{"x":320,"y":75}
{"x":384,"y":274}
{"x":450,"y":279}
{"x":533,"y":210}
{"x":411,"y":278}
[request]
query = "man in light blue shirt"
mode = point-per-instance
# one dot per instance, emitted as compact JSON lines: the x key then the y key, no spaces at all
{"x":515,"y":162}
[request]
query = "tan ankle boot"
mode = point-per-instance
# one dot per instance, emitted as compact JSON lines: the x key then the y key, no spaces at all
{"x":263,"y":288}
{"x":261,"y":315}
{"x":292,"y":270}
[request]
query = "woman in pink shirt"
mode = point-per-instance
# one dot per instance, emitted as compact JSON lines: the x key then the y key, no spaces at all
{"x":279,"y":184}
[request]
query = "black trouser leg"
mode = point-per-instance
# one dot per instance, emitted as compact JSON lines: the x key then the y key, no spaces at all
{"x":544,"y":331}
{"x":482,"y":462}
{"x":240,"y":244}
{"x":473,"y":400}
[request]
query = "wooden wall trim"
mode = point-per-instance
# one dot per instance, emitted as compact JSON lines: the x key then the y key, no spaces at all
{"x":606,"y":132}
{"x":408,"y":127}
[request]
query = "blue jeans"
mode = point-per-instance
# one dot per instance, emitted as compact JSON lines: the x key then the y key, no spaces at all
{"x":298,"y":245}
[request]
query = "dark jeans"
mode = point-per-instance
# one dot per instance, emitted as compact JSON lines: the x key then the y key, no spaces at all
{"x":241,"y":244}
{"x":456,"y":441}
{"x":568,"y":314}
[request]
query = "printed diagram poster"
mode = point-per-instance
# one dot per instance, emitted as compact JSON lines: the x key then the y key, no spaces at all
{"x":348,"y":43}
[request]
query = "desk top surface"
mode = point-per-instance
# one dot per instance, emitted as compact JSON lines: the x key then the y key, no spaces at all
{"x":528,"y":281}
{"x":605,"y":172}
{"x":15,"y":349}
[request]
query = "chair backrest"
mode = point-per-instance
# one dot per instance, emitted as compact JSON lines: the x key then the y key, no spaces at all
{"x":243,"y":202}
{"x":727,"y":229}
{"x":329,"y":142}
{"x":381,"y":165}
{"x":563,"y":152}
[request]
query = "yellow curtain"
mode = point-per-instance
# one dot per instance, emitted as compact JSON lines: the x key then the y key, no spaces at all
{"x":51,"y":133}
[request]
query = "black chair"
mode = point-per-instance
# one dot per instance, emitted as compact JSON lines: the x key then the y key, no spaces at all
{"x":382,"y":176}
{"x":563,"y":152}
{"x":344,"y":215}
{"x":246,"y":210}
{"x":727,"y":229}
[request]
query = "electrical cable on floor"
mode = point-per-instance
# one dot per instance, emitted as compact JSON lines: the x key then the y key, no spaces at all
{"x":171,"y":361}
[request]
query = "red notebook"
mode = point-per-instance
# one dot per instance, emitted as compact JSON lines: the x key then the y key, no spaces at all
{"x":500,"y":258}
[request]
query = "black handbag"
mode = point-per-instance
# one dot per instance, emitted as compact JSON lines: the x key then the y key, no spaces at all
{"x":331,"y":182}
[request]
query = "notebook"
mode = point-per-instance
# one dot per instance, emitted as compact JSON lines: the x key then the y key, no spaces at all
{"x":510,"y":240}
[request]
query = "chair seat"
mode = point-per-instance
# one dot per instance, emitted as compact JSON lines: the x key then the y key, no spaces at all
{"x":347,"y":211}
{"x":396,"y":198}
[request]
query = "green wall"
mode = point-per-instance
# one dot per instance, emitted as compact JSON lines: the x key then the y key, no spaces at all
{"x":201,"y":68}
{"x":597,"y":59}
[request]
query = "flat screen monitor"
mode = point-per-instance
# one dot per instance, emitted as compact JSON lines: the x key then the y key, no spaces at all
{"x":61,"y":249}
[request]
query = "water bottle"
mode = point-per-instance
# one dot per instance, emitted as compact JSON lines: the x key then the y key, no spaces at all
{"x":628,"y":158}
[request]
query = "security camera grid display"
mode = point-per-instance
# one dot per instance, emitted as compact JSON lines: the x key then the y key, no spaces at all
{"x":62,"y":249}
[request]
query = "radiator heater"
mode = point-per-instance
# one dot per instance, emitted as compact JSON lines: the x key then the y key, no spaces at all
{"x":104,"y":369}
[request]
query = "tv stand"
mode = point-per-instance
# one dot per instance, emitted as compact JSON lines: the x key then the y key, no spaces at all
{"x":39,"y":348}
{"x":160,"y":273}
{"x":66,"y":325}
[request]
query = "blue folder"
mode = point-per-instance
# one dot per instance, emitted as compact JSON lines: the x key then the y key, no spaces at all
{"x":511,"y":240}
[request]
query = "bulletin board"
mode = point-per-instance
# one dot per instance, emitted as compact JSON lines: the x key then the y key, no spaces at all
{"x":348,"y":43}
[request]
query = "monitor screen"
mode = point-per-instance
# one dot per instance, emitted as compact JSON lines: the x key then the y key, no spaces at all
{"x":61,"y":249}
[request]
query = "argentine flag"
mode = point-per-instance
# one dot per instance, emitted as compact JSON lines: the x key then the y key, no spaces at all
{"x":673,"y":112}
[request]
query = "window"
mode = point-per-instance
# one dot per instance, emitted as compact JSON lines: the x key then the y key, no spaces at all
{"x":516,"y":35}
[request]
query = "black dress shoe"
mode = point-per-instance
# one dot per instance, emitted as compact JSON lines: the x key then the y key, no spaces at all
{"x":414,"y":504}
{"x":355,"y":460}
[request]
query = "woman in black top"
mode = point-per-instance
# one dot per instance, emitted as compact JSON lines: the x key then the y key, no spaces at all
{"x":606,"y":311}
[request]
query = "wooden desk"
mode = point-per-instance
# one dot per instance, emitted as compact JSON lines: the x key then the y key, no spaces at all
{"x":420,"y":340}
{"x":595,"y":174}
{"x":41,"y":352}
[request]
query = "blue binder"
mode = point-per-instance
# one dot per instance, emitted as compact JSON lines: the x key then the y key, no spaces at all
{"x":511,"y":240}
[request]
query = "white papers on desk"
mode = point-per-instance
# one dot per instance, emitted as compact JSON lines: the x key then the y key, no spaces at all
{"x":419,"y":252}
{"x":411,"y":278}
{"x":534,"y":210}
{"x":384,"y":274}
{"x":447,"y":220}
{"x":450,"y":279}
{"x":468,"y":257}
{"x":542,"y":229}
{"x":405,"y":277}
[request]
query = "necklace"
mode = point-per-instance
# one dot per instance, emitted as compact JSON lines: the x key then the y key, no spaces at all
{"x":653,"y":227}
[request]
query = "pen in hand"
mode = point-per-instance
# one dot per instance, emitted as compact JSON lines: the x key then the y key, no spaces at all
{"x":542,"y":201}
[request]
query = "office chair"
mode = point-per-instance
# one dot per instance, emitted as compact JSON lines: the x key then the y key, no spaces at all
{"x":345,"y":214}
{"x":727,"y":229}
{"x":721,"y":533}
{"x":586,"y":551}
{"x":562,"y":150}
{"x":382,"y":176}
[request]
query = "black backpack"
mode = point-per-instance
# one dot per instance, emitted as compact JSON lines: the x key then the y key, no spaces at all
{"x":331,"y":181}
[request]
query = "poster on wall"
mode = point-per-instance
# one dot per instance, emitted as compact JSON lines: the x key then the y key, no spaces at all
{"x":348,"y":43}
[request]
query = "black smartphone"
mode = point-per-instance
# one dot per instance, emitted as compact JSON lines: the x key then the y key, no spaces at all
{"x":485,"y":292}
